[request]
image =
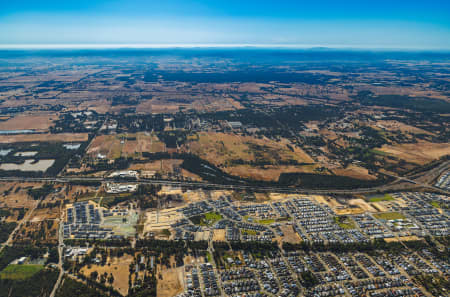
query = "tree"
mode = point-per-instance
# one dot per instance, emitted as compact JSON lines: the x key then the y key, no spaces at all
{"x":111,"y":279}
{"x":93,"y":276}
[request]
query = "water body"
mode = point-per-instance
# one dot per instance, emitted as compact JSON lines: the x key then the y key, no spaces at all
{"x":25,"y":154}
{"x":28,"y":165}
{"x":16,"y":131}
{"x":5,"y":152}
{"x":73,"y":146}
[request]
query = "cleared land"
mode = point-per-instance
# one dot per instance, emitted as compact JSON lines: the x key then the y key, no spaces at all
{"x":28,"y":121}
{"x":125,"y":145}
{"x":229,"y":151}
{"x":419,"y":153}
{"x":118,"y":267}
{"x":62,"y":137}
{"x":171,"y":283}
{"x":355,"y":172}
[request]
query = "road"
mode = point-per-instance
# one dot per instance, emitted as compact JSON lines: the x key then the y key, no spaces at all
{"x":206,"y":185}
{"x":60,"y":255}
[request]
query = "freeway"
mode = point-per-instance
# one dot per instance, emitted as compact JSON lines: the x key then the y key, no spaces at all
{"x":409,"y":185}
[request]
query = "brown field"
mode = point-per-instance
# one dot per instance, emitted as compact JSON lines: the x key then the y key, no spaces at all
{"x":349,"y":211}
{"x":163,"y":166}
{"x":163,"y":220}
{"x":268,"y":173}
{"x":112,"y":145}
{"x":38,"y":231}
{"x":331,"y":202}
{"x":62,"y":137}
{"x":362,"y":204}
{"x":119,"y":269}
{"x":290,"y":235}
{"x":380,"y":206}
{"x":171,"y":283}
{"x":219,"y":235}
{"x":221,"y":148}
{"x":26,"y":121}
{"x":419,"y":153}
{"x":338,"y":208}
{"x":398,"y":126}
{"x":355,"y":172}
{"x":79,"y":192}
{"x":404,"y":238}
{"x":43,"y":214}
{"x":19,"y":199}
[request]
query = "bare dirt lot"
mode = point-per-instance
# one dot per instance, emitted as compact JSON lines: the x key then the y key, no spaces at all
{"x":290,"y":235}
{"x":362,"y":204}
{"x":163,"y":220}
{"x":219,"y":235}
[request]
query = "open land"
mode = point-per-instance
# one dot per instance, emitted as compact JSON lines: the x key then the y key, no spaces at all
{"x":153,"y":173}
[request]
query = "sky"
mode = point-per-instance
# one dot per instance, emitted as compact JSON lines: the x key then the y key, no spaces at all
{"x":381,"y":24}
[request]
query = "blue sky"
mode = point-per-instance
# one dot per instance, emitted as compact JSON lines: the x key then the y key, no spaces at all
{"x":360,"y":24}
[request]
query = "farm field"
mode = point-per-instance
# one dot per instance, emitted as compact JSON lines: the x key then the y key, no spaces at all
{"x":419,"y":153}
{"x":61,"y":137}
{"x":230,"y":151}
{"x":125,"y":145}
{"x":224,"y":172}
{"x":36,"y":122}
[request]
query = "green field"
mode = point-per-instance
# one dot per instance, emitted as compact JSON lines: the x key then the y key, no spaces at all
{"x":345,"y":222}
{"x":386,"y":197}
{"x":206,"y":219}
{"x":378,"y":152}
{"x":266,"y":221}
{"x":213,"y":216}
{"x":17,"y":272}
{"x":209,"y":257}
{"x":122,"y":225}
{"x":435,"y":204}
{"x":389,"y":216}
{"x":249,"y":232}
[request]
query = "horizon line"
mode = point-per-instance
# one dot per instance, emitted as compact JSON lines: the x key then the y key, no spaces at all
{"x":209,"y":45}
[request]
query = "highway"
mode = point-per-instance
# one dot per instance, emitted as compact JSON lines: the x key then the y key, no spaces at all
{"x":411,"y":185}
